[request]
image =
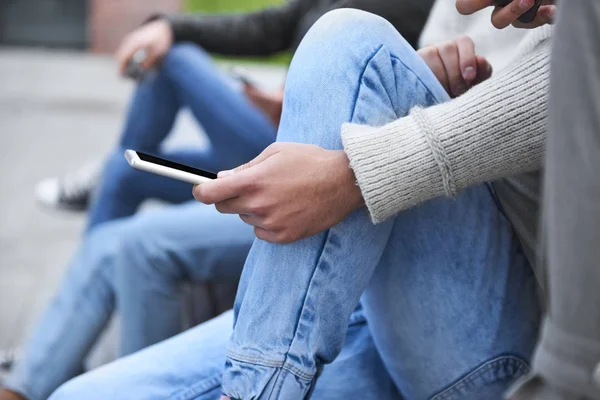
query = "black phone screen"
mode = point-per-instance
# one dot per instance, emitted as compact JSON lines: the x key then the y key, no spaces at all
{"x":174,"y":165}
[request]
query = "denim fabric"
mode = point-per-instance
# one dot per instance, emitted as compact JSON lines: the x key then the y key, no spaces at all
{"x":137,"y":266}
{"x":448,"y":294}
{"x":237,"y":132}
{"x":189,"y":367}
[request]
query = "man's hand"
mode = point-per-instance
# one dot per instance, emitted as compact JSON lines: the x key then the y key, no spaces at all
{"x":270,"y":103}
{"x":456,"y":66}
{"x":155,"y":37}
{"x":507,"y":15}
{"x":289,"y":192}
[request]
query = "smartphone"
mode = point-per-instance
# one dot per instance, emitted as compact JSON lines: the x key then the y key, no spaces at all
{"x":529,"y":16}
{"x":134,"y":69}
{"x":240,"y":75}
{"x":170,"y":169}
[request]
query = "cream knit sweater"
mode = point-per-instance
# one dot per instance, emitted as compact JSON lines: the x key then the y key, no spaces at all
{"x":495,"y":130}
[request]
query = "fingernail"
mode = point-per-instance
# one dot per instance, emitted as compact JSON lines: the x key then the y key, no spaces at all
{"x":469,"y":73}
{"x":548,"y":14}
{"x":223,"y":174}
{"x":526,"y":4}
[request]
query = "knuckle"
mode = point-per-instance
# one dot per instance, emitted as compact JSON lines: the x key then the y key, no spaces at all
{"x":270,"y":224}
{"x":448,"y":48}
{"x":258,"y":209}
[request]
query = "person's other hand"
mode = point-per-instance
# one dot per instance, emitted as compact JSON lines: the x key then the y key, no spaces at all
{"x":507,"y":15}
{"x":155,"y":38}
{"x":289,"y":192}
{"x":270,"y":103}
{"x":456,"y":65}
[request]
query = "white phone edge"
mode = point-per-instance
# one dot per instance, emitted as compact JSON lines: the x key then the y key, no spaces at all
{"x":136,"y":162}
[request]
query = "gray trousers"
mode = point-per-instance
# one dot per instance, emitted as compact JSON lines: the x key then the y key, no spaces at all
{"x":569,"y":349}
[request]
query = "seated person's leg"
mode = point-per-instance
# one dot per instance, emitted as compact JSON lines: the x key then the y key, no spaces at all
{"x":294,"y":300}
{"x":72,"y":322}
{"x":125,"y":258}
{"x":195,"y":244}
{"x":190,"y":366}
{"x":237,"y":131}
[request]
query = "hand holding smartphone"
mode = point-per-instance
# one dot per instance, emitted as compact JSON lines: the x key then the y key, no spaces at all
{"x":170,"y":169}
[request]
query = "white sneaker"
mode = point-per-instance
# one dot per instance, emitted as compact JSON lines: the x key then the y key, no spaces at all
{"x":72,"y":192}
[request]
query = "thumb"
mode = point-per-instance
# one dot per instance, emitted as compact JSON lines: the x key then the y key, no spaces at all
{"x":268,"y":152}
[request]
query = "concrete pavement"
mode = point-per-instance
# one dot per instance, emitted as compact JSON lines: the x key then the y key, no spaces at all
{"x":58,"y":110}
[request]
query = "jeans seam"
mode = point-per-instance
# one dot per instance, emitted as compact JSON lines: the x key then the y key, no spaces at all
{"x":98,"y":272}
{"x":485,"y":367}
{"x":270,"y":364}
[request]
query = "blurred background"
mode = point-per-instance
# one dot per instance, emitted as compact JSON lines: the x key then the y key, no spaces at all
{"x":61,"y":105}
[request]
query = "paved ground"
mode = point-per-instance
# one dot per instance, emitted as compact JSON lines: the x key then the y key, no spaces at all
{"x":57,"y":111}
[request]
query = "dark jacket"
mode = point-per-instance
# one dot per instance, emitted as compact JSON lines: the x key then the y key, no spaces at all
{"x":280,"y":28}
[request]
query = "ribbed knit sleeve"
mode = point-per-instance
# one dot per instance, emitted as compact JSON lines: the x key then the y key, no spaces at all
{"x":496,"y":129}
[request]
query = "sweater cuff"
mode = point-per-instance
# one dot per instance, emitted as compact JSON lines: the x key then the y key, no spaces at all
{"x":394,"y":165}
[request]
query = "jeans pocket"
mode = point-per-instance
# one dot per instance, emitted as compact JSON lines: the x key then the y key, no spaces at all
{"x":489,"y":381}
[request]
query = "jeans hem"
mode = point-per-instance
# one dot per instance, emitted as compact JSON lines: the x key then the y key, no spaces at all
{"x":298,"y":373}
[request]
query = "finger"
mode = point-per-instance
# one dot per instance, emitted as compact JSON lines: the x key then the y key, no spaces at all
{"x":467,"y":7}
{"x":125,"y":53}
{"x":266,"y":153}
{"x":235,"y":205}
{"x":545,"y":15}
{"x":449,"y":55}
{"x":252,"y":220}
{"x":484,"y":70}
{"x":432,"y":57}
{"x":220,"y":190}
{"x":151,"y":57}
{"x":263,"y":234}
{"x":467,"y":59}
{"x":504,"y":16}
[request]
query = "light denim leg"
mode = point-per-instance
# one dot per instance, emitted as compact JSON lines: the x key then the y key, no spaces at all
{"x":294,"y":300}
{"x":236,"y":129}
{"x":139,"y":264}
{"x":192,"y":242}
{"x":189,"y":367}
{"x":72,"y":322}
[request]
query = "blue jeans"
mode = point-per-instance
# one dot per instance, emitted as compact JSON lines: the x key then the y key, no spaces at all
{"x":136,"y":266}
{"x":448,"y":295}
{"x":237,"y":132}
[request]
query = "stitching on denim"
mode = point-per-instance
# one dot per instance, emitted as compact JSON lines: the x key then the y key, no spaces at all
{"x":191,"y":392}
{"x":254,"y":360}
{"x":485,"y":367}
{"x":270,"y":364}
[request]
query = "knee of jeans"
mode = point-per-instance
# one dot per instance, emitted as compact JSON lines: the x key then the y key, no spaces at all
{"x":340,"y":42}
{"x":142,"y":256}
{"x":181,"y":54}
{"x":344,"y":28}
